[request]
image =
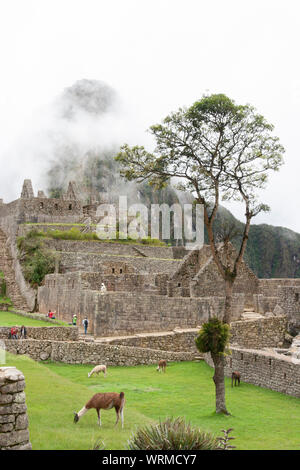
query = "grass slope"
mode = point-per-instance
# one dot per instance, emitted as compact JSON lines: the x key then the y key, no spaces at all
{"x":12,"y":319}
{"x":262,"y":419}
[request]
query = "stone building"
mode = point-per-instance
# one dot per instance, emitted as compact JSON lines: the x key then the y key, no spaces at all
{"x":149,"y":288}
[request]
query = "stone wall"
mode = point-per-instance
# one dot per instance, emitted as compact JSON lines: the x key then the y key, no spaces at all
{"x":263,"y":304}
{"x":80,"y":352}
{"x":179,"y":284}
{"x":86,"y":261}
{"x":178,"y":341}
{"x":116,"y":281}
{"x":269,"y":287}
{"x":265,"y":369}
{"x":118,"y":249}
{"x":14,"y":434}
{"x":128,"y":314}
{"x":125,"y":313}
{"x":261,"y":333}
{"x":45,"y":333}
{"x":209,"y":281}
{"x":289,"y":301}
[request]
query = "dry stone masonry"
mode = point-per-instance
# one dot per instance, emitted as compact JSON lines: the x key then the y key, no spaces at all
{"x":148,"y":290}
{"x":14,"y":433}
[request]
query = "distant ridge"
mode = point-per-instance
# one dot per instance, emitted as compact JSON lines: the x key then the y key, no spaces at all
{"x":272,"y":252}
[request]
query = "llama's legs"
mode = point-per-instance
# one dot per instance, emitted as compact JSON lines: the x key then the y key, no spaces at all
{"x":99,"y":416}
{"x":118,"y":415}
{"x":122,"y":416}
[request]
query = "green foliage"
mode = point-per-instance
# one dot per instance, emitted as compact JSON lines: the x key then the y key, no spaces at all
{"x":213,"y":337}
{"x":172,"y":434}
{"x":272,"y":252}
{"x":32,"y":241}
{"x":72,"y":234}
{"x":6,"y":302}
{"x":215,"y":146}
{"x":36,"y":259}
{"x":3,"y":287}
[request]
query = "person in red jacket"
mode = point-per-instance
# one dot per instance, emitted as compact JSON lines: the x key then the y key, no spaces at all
{"x":14,"y":332}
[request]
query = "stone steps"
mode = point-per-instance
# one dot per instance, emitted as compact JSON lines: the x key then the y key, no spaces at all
{"x":6,"y":266}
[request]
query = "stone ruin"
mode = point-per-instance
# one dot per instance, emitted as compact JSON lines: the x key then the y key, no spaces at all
{"x":148,"y":289}
{"x":14,"y":433}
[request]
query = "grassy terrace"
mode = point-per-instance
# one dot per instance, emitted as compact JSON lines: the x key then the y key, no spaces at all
{"x":99,"y":253}
{"x":74,"y":233}
{"x":262,"y":419}
{"x":13,"y":319}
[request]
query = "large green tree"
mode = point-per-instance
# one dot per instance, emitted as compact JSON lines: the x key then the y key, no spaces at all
{"x":218,"y":150}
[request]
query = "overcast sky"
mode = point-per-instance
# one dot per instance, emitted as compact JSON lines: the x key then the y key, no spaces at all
{"x":158,"y":55}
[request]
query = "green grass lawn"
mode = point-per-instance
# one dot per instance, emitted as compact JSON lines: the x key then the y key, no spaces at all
{"x":12,"y":319}
{"x":262,"y":419}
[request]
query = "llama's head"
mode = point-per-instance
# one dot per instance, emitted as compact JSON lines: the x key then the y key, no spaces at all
{"x":89,"y":374}
{"x":76,"y":417}
{"x":157,"y":368}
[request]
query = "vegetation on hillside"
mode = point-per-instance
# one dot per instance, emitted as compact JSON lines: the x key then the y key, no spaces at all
{"x":5,"y":302}
{"x":272,"y":252}
{"x":75,"y":234}
{"x":36,"y":259}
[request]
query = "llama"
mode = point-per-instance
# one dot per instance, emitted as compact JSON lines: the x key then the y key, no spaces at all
{"x":97,"y":370}
{"x":162,"y":365}
{"x":236,"y":377}
{"x":104,"y":401}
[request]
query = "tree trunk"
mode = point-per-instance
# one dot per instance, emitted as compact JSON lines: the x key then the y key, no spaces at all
{"x":228,"y":301}
{"x":218,"y":378}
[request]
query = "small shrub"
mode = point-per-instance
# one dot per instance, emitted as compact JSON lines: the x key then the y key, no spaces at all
{"x":99,"y":445}
{"x":172,"y":434}
{"x":5,"y":303}
{"x":36,"y":259}
{"x":224,"y":441}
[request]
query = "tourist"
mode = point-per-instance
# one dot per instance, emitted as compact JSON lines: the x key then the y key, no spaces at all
{"x":85,"y":325}
{"x":23,"y":332}
{"x":74,"y":320}
{"x":14,"y":332}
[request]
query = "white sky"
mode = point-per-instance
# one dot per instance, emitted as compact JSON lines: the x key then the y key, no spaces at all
{"x":158,"y":55}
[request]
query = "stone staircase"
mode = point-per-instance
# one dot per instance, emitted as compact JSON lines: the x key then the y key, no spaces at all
{"x":6,"y":266}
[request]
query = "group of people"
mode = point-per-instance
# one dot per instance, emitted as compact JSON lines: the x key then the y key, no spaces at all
{"x":14,"y":333}
{"x":85,"y":323}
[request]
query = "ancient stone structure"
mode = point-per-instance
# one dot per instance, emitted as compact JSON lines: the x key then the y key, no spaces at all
{"x":81,"y":352}
{"x":147,"y":288}
{"x":265,"y":368}
{"x":55,"y":333}
{"x":14,"y":434}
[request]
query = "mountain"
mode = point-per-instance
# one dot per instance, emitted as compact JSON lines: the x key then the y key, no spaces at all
{"x":272,"y":252}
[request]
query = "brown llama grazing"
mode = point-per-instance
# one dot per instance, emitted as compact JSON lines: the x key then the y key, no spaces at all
{"x":162,"y":365}
{"x":236,"y":377}
{"x":104,"y":401}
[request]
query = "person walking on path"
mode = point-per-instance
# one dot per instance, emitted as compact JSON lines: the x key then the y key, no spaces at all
{"x":85,"y":325}
{"x":74,"y":320}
